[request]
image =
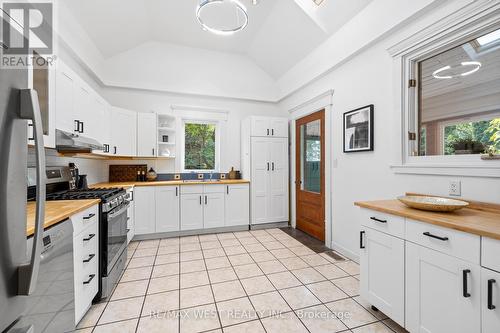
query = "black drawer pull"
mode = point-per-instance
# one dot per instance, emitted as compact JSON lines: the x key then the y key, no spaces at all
{"x":361,"y":245}
{"x":91,"y":256}
{"x":466,"y":293}
{"x":491,"y":282}
{"x":89,"y":238}
{"x":377,"y":220}
{"x":428,"y":234}
{"x":91,"y":277}
{"x":89,"y":217}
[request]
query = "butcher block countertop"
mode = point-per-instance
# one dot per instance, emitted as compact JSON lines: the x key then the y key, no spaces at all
{"x":172,"y":182}
{"x":56,"y":211}
{"x":479,"y":218}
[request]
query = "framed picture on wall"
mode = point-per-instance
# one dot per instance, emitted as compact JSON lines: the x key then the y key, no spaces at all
{"x":358,"y":130}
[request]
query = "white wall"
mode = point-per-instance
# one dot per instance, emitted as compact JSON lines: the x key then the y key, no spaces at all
{"x":368,"y":79}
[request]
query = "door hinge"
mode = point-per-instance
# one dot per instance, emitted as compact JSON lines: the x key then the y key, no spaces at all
{"x":412,"y":83}
{"x":412,"y":136}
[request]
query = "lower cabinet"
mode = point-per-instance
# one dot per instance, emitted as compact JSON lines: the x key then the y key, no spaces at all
{"x":145,"y":210}
{"x":442,"y":292}
{"x":237,"y":205}
{"x":167,"y":208}
{"x":191,"y":211}
{"x":383,"y":273}
{"x":213,"y":210}
{"x":490,"y":298}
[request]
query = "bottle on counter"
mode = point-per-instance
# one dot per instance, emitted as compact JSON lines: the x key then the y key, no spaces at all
{"x":143,"y":176}
{"x":138,"y":177}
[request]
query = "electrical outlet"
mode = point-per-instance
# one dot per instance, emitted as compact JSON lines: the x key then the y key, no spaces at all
{"x":455,"y":188}
{"x":200,"y":176}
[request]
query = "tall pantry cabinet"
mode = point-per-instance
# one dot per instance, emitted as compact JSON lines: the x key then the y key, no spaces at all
{"x":265,"y":163}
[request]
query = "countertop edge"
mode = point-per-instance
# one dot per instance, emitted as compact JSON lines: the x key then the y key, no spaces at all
{"x":169,"y":183}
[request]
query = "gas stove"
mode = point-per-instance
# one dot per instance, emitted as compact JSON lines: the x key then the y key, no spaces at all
{"x":110,"y":197}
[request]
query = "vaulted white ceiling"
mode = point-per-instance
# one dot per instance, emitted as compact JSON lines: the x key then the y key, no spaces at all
{"x":280,"y":32}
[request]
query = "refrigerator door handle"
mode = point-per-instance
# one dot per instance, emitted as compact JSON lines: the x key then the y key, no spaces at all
{"x":28,"y":273}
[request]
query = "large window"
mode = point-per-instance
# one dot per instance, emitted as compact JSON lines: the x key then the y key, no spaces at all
{"x":200,"y":146}
{"x":458,"y":99}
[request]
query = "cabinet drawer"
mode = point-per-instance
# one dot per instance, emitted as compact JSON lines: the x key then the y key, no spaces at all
{"x":191,"y":189}
{"x":456,"y":243}
{"x":390,"y":224}
{"x":214,"y":188}
{"x":490,"y":248}
{"x":84,"y":218}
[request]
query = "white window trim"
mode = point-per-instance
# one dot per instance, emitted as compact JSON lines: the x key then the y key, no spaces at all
{"x":217,"y":144}
{"x":463,"y":25}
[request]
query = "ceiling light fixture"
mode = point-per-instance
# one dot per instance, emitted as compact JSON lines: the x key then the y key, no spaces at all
{"x":448,"y":72}
{"x":318,"y":2}
{"x":240,"y":8}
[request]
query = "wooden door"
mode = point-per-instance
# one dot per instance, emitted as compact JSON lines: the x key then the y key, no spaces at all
{"x":310,"y":172}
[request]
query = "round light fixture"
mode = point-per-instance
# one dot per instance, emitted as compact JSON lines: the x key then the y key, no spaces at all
{"x":239,"y":7}
{"x":465,"y":68}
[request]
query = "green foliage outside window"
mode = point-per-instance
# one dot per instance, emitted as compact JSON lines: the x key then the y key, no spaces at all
{"x":199,"y":146}
{"x":471,"y":137}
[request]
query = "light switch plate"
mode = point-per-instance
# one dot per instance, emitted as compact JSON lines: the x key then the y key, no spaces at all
{"x":455,"y":188}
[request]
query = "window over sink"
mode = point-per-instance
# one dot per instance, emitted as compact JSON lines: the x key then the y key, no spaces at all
{"x":201,"y":146}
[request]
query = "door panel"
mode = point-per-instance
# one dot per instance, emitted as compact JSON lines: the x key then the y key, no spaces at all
{"x":260,"y":126}
{"x":167,"y":208}
{"x":65,"y":99}
{"x":260,"y":180}
{"x":310,"y":174}
{"x":279,"y":127}
{"x":237,"y":205}
{"x":144,"y":198}
{"x":213,"y":212}
{"x":490,"y":311}
{"x":146,"y":134}
{"x":278,"y":208}
{"x":191,"y":211}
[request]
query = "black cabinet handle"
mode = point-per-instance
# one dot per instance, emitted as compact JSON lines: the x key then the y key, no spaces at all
{"x":80,"y":129}
{"x":77,"y":126}
{"x":32,"y":131}
{"x":428,"y":234}
{"x":206,"y":200}
{"x":361,"y":234}
{"x":465,"y":273}
{"x":89,"y":238}
{"x":91,"y":256}
{"x":200,"y":199}
{"x":227,"y":189}
{"x":378,"y":220}
{"x":272,"y":132}
{"x":176,"y":191}
{"x":114,"y":150}
{"x":491,"y":282}
{"x":267,"y":166}
{"x":272,"y":166}
{"x":89,"y":217}
{"x":91,"y":277}
{"x":268,"y":131}
{"x":153,"y":152}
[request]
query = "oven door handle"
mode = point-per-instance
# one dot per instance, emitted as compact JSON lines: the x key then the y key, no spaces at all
{"x":120,"y":211}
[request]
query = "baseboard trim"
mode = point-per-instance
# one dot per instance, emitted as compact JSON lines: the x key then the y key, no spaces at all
{"x":190,"y":233}
{"x":345,"y":252}
{"x":269,"y":225}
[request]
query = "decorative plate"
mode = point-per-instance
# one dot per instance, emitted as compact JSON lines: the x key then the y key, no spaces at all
{"x":433,"y":204}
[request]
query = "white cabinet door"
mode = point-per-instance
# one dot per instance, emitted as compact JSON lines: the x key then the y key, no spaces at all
{"x":213,"y":211}
{"x":146,"y":134}
{"x":99,"y":125}
{"x":84,"y":110}
{"x":145,"y":209}
{"x":279,"y":127}
{"x":237,"y":205}
{"x":260,"y":126}
{"x":442,"y":292}
{"x":124,"y":132}
{"x":383,"y":272}
{"x":490,"y":298}
{"x":191,"y":211}
{"x":167,"y":208}
{"x":65,"y":98}
{"x":261,"y":168}
{"x":278,"y":203}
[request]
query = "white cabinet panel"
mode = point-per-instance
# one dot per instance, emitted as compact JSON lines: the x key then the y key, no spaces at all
{"x":237,"y":205}
{"x":382,"y":273}
{"x":490,"y":298}
{"x":191,"y":211}
{"x":146,"y":134}
{"x":260,"y":126}
{"x":278,"y":208}
{"x":269,"y":126}
{"x":65,"y":98}
{"x":123,"y":132}
{"x":84,"y":110}
{"x":279,"y":127}
{"x":145,"y":210}
{"x":490,"y":248}
{"x":167,"y":208}
{"x":213,"y":210}
{"x":442,"y":292}
{"x":261,"y":194}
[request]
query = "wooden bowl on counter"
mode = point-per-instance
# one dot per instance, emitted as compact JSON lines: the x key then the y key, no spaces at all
{"x":433,"y":204}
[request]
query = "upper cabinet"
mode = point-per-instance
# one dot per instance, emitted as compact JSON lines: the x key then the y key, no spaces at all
{"x":269,"y":126}
{"x":146,"y":134}
{"x":123,"y":132}
{"x":67,"y":88}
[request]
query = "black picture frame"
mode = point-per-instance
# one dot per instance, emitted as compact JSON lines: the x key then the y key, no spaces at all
{"x":363,"y":129}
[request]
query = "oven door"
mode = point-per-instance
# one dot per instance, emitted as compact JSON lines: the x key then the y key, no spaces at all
{"x":116,"y":239}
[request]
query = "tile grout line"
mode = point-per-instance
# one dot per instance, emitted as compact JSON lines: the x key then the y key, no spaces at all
{"x":211,"y":288}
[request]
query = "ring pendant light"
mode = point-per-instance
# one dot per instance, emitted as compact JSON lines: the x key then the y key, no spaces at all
{"x":240,"y":8}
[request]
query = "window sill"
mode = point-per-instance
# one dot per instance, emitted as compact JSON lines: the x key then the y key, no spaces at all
{"x":484,"y":170}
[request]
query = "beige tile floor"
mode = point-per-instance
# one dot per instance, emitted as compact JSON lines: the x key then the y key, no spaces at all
{"x":250,"y":281}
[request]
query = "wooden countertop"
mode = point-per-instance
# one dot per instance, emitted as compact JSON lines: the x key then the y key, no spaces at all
{"x":56,"y":211}
{"x":171,"y":182}
{"x":482,"y":220}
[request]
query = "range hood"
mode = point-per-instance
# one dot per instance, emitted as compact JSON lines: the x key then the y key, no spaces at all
{"x":67,"y":142}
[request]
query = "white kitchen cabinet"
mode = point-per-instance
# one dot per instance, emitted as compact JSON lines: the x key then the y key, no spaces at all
{"x":84,"y":110}
{"x":123,"y":132}
{"x":490,"y":298}
{"x":167,"y":208}
{"x":442,"y":292}
{"x":146,"y":134}
{"x":66,"y":87}
{"x":382,"y":264}
{"x":145,"y":210}
{"x":191,"y":211}
{"x":278,"y":155}
{"x":279,"y":127}
{"x":269,"y":126}
{"x":131,"y":215}
{"x":237,"y":205}
{"x":213,"y":210}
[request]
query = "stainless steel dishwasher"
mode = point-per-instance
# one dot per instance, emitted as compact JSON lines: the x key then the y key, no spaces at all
{"x":51,"y":308}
